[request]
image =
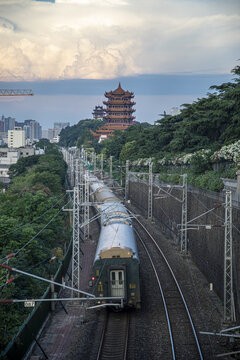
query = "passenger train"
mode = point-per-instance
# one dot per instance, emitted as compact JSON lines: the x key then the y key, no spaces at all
{"x":116,"y":263}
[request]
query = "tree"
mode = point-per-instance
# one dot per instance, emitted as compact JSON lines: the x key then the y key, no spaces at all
{"x":128,"y":150}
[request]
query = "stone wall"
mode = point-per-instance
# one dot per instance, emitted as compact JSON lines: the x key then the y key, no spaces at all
{"x":206,"y":246}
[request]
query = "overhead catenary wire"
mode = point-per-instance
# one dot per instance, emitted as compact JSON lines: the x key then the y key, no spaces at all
{"x":30,"y":268}
{"x":219,"y":217}
{"x":43,"y":279}
{"x":40,"y":231}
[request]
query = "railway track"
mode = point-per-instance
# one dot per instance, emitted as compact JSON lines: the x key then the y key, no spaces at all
{"x":183,"y":340}
{"x":114,"y":340}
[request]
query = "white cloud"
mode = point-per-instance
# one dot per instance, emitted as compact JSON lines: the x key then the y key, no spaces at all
{"x":93,"y":2}
{"x":110,"y":38}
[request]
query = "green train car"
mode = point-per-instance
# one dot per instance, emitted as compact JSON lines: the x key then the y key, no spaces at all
{"x":116,"y":263}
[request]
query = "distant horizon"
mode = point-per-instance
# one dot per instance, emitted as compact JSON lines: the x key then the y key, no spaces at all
{"x":143,"y":84}
{"x":74,"y":100}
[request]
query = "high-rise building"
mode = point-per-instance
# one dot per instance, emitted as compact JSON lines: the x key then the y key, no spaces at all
{"x":61,"y":125}
{"x":50,"y":134}
{"x":16,"y":138}
{"x":45,"y":134}
{"x":58,"y":126}
{"x":19,"y":124}
{"x":9,"y":123}
{"x":27,"y":130}
{"x":33,"y":129}
{"x":2,"y":126}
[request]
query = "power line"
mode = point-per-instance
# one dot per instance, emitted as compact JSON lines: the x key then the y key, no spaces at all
{"x":30,"y":268}
{"x":39,"y":231}
{"x":219,"y":217}
{"x":43,"y":279}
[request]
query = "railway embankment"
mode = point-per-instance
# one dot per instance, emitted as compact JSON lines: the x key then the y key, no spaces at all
{"x":82,"y":337}
{"x":206,"y":241}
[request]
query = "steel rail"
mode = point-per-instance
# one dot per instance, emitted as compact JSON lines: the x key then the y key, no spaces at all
{"x":102,"y":338}
{"x":118,"y":335}
{"x":176,"y":282}
{"x":162,"y":295}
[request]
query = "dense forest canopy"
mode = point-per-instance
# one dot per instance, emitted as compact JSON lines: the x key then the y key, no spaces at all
{"x":209,"y":122}
{"x":79,"y":134}
{"x":34,"y":199}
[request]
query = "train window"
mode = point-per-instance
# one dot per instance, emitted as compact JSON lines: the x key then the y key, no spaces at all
{"x":120,"y":277}
{"x":113,"y":277}
{"x":117,"y":282}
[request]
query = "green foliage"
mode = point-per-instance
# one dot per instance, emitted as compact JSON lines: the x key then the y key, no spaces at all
{"x":39,"y":172}
{"x":45,"y":178}
{"x":52,"y":163}
{"x":33,"y":200}
{"x":22,"y":165}
{"x":79,"y":134}
{"x":201,"y":164}
{"x":210,"y":180}
{"x":44,"y":144}
{"x":229,"y":172}
{"x":113,"y":145}
{"x":128,"y":150}
{"x":172,"y":178}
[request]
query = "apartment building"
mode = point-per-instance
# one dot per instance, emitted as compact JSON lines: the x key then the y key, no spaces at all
{"x":16,"y":137}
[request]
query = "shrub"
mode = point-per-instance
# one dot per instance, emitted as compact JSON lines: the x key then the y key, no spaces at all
{"x":200,"y":163}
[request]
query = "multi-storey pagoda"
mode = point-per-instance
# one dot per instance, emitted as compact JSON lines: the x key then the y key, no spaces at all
{"x":98,"y":112}
{"x":118,"y":113}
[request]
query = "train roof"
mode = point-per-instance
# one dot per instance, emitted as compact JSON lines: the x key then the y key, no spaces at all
{"x":101,"y":191}
{"x":113,"y":211}
{"x":116,"y":240}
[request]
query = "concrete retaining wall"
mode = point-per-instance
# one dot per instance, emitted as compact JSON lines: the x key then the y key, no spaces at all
{"x":206,"y":246}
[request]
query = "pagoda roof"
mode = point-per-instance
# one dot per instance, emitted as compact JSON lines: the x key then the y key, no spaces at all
{"x":118,"y":91}
{"x":109,"y":128}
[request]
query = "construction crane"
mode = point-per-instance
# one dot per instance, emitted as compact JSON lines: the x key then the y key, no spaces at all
{"x":16,"y":92}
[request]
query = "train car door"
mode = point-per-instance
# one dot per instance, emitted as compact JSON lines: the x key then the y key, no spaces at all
{"x":117,"y":282}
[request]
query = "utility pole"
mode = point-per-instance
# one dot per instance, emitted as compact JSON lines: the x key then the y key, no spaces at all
{"x":86,"y":206}
{"x":72,"y":170}
{"x":127,"y":180}
{"x":68,"y":161}
{"x":101,"y":166}
{"x":76,"y":242}
{"x":81,"y":183}
{"x":229,"y":307}
{"x":150,"y":191}
{"x":184,"y":245}
{"x":94,"y":163}
{"x":111,"y":167}
{"x":77,"y":172}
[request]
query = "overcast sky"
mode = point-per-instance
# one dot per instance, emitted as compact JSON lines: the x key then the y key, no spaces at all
{"x":116,"y":39}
